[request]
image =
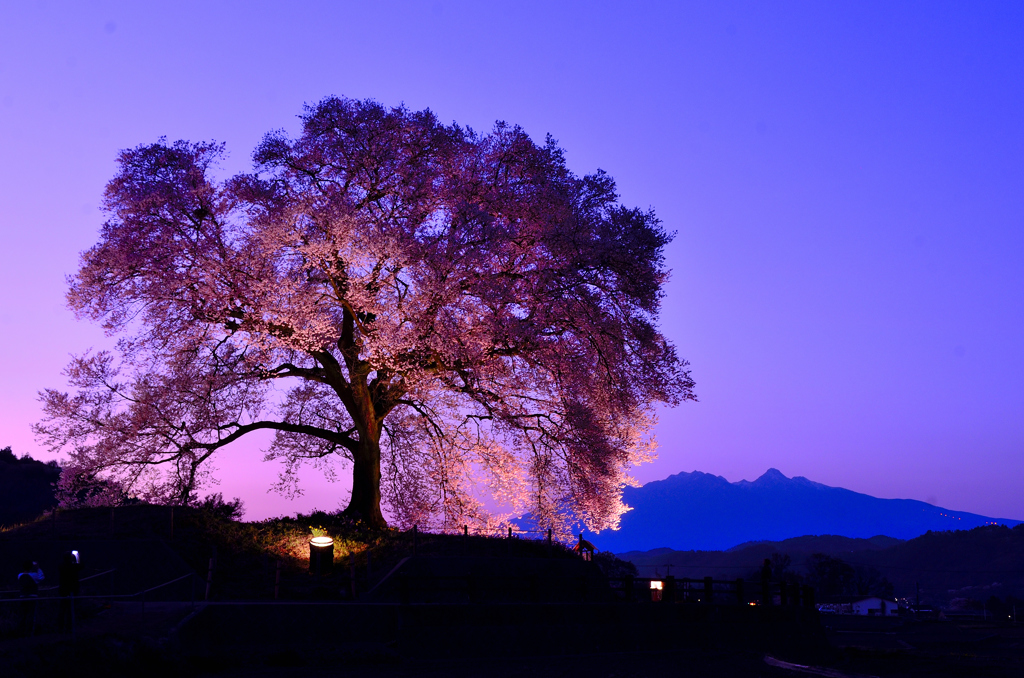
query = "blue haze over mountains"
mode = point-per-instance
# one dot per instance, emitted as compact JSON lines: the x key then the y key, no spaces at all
{"x":700,"y":511}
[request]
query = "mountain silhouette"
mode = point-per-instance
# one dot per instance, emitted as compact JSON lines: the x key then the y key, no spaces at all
{"x":700,"y":511}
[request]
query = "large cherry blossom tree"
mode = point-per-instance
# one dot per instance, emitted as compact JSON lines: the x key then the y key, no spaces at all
{"x":433,"y":307}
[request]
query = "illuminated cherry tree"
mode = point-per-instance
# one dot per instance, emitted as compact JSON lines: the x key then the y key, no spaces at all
{"x":437,"y":309}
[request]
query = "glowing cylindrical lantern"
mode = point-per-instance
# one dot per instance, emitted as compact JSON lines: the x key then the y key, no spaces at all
{"x":321,"y":555}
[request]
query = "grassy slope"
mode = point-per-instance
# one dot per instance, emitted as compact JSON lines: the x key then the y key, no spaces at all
{"x":246,"y":553}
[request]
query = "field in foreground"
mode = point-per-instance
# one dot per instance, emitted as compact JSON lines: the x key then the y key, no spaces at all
{"x":315,"y":628}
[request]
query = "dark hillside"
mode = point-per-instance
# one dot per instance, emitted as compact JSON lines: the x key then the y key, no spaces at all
{"x":976,"y":564}
{"x":456,"y":597}
{"x":26,"y":487}
{"x":979,"y":563}
{"x":150,"y":544}
{"x":300,"y":635}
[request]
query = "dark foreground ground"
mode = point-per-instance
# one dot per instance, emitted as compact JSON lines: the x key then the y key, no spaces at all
{"x":297,"y":641}
{"x":314,"y":628}
{"x":898,"y":647}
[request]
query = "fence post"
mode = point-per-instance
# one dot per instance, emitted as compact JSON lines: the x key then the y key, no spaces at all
{"x":741,"y":599}
{"x":509,"y":550}
{"x":808,"y":597}
{"x":669,"y":594}
{"x":709,"y":590}
{"x":352,"y":573}
{"x":209,"y":580}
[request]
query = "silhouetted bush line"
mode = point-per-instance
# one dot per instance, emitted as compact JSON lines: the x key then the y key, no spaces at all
{"x":26,"y":487}
{"x":973,"y":564}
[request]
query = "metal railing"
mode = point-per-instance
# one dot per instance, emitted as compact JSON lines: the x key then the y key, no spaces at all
{"x":66,"y":618}
{"x":54,"y":588}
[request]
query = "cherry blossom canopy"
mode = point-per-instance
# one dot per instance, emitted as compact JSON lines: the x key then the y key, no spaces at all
{"x":433,"y":307}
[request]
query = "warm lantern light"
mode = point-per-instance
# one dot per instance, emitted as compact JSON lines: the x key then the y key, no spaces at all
{"x":656,"y":585}
{"x":321,"y":555}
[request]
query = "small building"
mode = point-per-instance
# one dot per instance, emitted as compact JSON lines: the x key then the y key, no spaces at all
{"x":585,"y":549}
{"x":876,"y":607}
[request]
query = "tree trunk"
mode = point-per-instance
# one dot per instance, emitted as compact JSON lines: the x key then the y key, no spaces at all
{"x":365,"y":502}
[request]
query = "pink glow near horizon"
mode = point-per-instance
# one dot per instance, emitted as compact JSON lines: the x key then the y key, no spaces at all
{"x":848,"y":278}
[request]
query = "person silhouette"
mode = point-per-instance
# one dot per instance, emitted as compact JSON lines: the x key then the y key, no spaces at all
{"x":28,"y":583}
{"x":67,"y":588}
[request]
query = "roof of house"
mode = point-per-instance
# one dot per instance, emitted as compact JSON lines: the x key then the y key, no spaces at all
{"x":584,"y":544}
{"x":867,"y":598}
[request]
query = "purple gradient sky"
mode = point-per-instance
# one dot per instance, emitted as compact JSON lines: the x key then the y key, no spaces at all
{"x":846,"y":180}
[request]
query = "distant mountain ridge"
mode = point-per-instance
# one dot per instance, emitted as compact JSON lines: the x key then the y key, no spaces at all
{"x":701,"y":511}
{"x":824,"y":543}
{"x":746,"y":559}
